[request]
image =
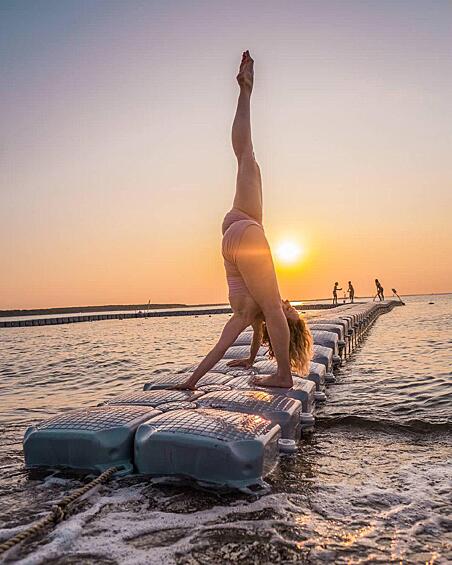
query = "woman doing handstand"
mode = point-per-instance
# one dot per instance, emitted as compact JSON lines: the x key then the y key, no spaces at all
{"x":253,"y":288}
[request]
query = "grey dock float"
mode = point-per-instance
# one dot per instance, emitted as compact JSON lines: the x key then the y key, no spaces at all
{"x":171,"y":380}
{"x":155,"y":397}
{"x":327,"y":339}
{"x":317,"y":374}
{"x":317,"y":371}
{"x":266,"y":367}
{"x":226,"y":433}
{"x":222,"y":367}
{"x":213,"y":447}
{"x":243,"y":351}
{"x":169,"y":406}
{"x":324,"y":356}
{"x":93,"y":439}
{"x":245,"y":338}
{"x":284,"y":411}
{"x":213,"y":387}
{"x":337,"y":329}
{"x":302,"y":390}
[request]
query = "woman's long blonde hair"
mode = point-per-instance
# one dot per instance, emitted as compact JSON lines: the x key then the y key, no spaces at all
{"x":300,"y":345}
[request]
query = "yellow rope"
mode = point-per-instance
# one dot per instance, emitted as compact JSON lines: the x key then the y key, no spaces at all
{"x":58,"y":512}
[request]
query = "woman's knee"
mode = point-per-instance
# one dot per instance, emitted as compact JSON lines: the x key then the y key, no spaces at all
{"x":247,"y":162}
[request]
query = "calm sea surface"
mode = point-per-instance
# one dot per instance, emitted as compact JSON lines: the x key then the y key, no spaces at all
{"x":372,"y":485}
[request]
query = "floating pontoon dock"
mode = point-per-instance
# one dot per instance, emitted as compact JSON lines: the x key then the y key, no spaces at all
{"x":55,"y":319}
{"x":227,"y":433}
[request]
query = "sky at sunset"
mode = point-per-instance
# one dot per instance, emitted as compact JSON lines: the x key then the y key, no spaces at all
{"x":116,"y":166}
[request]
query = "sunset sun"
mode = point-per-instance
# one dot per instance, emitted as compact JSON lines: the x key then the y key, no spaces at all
{"x":289,"y":251}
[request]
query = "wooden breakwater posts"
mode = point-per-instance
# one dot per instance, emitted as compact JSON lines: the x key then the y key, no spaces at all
{"x":227,"y":433}
{"x":75,"y":318}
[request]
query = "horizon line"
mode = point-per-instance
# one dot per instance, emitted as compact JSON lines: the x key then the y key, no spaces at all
{"x":157,"y":305}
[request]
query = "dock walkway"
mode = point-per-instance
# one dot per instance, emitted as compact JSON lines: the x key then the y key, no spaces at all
{"x":26,"y":321}
{"x":227,"y":433}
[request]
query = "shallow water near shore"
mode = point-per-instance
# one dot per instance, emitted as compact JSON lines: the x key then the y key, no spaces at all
{"x":371,"y":485}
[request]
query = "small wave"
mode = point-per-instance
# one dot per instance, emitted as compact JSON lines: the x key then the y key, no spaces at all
{"x":413,"y":425}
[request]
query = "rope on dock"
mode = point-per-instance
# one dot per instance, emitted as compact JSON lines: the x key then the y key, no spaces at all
{"x":58,"y":513}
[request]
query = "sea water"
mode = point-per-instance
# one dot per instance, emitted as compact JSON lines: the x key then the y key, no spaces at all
{"x":372,"y":484}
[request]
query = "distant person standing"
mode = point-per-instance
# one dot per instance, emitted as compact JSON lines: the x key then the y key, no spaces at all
{"x":351,"y":292}
{"x":380,"y":290}
{"x":335,"y":289}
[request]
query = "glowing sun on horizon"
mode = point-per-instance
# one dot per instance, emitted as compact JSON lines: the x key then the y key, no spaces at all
{"x":289,"y":251}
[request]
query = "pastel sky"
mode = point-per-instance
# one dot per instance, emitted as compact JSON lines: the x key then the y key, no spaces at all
{"x":115,"y":160}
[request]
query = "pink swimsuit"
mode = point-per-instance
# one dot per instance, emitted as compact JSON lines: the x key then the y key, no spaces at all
{"x":234,"y":225}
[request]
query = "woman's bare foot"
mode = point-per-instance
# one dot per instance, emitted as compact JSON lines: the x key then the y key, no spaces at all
{"x":273,"y":381}
{"x":245,"y":78}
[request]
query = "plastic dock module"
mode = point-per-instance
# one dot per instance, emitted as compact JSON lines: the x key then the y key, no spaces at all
{"x":267,"y":367}
{"x":169,"y":381}
{"x":344,"y":324}
{"x":335,"y":321}
{"x":92,"y":439}
{"x":243,"y":351}
{"x":168,"y":406}
{"x":323,"y":355}
{"x":244,"y":338}
{"x":155,"y":397}
{"x":221,"y":367}
{"x":212,"y":447}
{"x":213,"y":388}
{"x":270,"y":366}
{"x":278,"y":409}
{"x":317,"y":373}
{"x":302,"y":390}
{"x":335,"y":328}
{"x":327,"y":339}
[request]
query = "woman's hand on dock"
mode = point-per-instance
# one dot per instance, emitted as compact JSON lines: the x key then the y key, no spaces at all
{"x":245,"y":363}
{"x":186,"y":385}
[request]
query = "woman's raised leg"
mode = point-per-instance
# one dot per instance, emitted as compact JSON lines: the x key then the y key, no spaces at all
{"x":248,"y":192}
{"x":254,"y":257}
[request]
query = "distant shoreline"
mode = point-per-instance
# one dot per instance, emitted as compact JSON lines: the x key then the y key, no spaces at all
{"x":135,"y":307}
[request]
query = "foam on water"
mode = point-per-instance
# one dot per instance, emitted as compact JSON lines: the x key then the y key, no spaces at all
{"x":358,"y":512}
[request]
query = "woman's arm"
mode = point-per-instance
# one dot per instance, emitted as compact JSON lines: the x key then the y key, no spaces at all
{"x":255,"y":344}
{"x":233,"y":328}
{"x":257,"y":340}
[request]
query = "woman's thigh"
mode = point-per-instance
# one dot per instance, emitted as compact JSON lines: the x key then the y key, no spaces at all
{"x":255,"y":263}
{"x":248,"y":191}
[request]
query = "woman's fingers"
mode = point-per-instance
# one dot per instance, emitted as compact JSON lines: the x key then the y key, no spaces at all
{"x":184,"y":386}
{"x":240,"y":363}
